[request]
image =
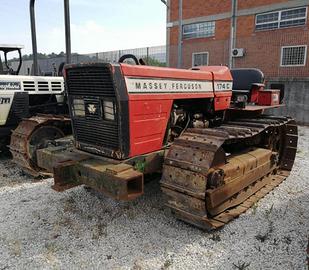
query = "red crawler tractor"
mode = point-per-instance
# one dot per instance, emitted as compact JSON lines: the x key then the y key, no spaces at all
{"x":217,"y":152}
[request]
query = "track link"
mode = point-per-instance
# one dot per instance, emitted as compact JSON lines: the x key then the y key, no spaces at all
{"x":196,"y":192}
{"x":29,"y":136}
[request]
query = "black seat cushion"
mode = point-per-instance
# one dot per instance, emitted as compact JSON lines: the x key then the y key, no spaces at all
{"x":244,"y":78}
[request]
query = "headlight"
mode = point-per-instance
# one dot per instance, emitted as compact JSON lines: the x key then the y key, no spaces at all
{"x":109,"y":110}
{"x":79,"y":107}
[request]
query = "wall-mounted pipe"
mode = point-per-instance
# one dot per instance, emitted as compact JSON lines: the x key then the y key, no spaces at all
{"x":233,"y":33}
{"x":180,"y":25}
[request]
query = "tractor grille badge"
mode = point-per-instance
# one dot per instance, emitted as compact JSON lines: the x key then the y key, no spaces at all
{"x":93,"y":108}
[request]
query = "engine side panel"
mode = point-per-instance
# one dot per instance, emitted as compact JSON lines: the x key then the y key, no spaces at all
{"x":152,"y":92}
{"x":148,"y":122}
{"x":14,"y":106}
{"x":6,"y":100}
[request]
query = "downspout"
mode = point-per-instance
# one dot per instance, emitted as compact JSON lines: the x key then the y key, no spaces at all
{"x":179,"y":63}
{"x":168,"y":11}
{"x":233,"y":33}
{"x":35,"y":70}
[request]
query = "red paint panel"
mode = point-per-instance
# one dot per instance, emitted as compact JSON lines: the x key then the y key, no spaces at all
{"x":222,"y":100}
{"x":170,"y":96}
{"x":220,"y":73}
{"x":254,"y":94}
{"x":159,"y":72}
{"x":148,"y":122}
{"x":269,"y":97}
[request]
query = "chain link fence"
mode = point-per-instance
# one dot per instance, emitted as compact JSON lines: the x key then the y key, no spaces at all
{"x":155,"y":56}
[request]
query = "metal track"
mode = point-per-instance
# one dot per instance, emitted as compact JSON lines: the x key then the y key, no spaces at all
{"x":191,"y":178}
{"x":35,"y":133}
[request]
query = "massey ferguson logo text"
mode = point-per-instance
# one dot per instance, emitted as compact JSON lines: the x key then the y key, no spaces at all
{"x":166,"y":86}
{"x":10,"y":86}
{"x":5,"y":100}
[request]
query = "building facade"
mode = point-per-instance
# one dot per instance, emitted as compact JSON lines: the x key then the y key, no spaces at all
{"x":272,"y":35}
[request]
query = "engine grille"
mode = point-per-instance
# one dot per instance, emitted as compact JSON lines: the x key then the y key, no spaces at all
{"x":93,"y":82}
{"x":94,"y":132}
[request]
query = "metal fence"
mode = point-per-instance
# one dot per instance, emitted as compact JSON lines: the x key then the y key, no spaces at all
{"x":155,"y":56}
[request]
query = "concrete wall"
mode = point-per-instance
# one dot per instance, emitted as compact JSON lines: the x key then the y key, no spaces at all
{"x":296,"y":98}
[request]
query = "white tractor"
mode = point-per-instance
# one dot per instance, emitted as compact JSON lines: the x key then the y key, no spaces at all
{"x":24,"y":96}
{"x":32,"y":111}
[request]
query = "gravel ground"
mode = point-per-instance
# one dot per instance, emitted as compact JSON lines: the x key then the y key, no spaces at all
{"x":42,"y":229}
{"x":11,"y":175}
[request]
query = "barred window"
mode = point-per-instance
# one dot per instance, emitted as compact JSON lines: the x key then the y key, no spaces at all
{"x":200,"y":59}
{"x":293,"y":55}
{"x":281,"y":19}
{"x":198,"y":30}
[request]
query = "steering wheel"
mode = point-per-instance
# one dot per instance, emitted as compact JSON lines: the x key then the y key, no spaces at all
{"x":131,"y":56}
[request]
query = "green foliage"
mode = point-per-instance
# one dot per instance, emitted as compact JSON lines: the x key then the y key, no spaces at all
{"x":41,"y":56}
{"x":154,"y":62}
{"x":140,"y":166}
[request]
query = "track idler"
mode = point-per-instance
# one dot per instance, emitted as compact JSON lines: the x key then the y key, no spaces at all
{"x":33,"y":134}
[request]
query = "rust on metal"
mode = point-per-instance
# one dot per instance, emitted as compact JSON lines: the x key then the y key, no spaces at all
{"x":256,"y":107}
{"x":35,"y":133}
{"x":209,"y":194}
{"x":119,"y":181}
{"x":210,"y":176}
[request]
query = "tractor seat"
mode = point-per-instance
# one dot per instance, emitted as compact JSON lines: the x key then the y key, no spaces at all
{"x":246,"y":78}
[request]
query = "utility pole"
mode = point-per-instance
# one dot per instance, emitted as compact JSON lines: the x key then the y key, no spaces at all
{"x":233,"y":33}
{"x":179,"y":63}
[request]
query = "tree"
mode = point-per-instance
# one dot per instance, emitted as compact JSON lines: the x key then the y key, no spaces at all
{"x":154,"y":62}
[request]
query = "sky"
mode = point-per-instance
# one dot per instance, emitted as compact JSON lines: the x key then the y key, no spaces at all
{"x":96,"y":25}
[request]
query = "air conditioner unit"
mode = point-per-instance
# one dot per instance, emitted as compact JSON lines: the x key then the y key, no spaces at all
{"x":238,"y":52}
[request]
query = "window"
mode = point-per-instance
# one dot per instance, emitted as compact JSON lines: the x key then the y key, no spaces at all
{"x":293,"y":56}
{"x":200,"y":59}
{"x":198,"y":30}
{"x":281,"y":19}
